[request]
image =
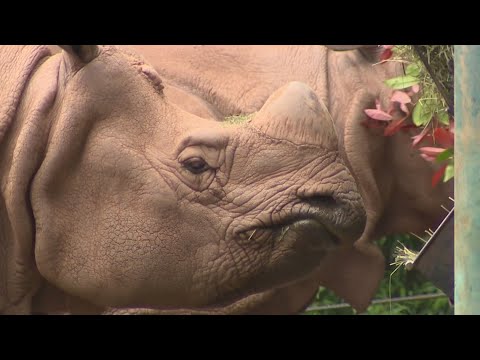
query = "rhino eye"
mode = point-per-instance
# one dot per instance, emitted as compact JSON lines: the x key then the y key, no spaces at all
{"x":196,"y":165}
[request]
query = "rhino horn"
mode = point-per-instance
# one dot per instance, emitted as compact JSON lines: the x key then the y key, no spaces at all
{"x":85,"y":53}
{"x":295,"y":113}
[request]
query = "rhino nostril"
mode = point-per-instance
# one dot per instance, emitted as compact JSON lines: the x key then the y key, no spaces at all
{"x":320,"y":200}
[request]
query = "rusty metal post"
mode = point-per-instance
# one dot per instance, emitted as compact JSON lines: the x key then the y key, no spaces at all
{"x":467,"y":179}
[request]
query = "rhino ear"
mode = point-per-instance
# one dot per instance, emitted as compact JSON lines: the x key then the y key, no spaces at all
{"x":85,"y":53}
{"x":370,"y":52}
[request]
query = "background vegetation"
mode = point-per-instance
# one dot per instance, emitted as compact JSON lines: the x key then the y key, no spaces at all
{"x":428,"y":72}
{"x":403,"y":283}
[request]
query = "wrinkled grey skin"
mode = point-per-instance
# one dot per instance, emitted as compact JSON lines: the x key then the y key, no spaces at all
{"x":114,"y":198}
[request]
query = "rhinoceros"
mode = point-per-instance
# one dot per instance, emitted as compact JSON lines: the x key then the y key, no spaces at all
{"x":122,"y":193}
{"x":114,"y":199}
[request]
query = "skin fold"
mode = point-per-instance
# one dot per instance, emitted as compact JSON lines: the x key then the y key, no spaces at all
{"x":122,"y":192}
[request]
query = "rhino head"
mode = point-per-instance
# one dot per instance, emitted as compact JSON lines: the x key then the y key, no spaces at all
{"x":114,"y":196}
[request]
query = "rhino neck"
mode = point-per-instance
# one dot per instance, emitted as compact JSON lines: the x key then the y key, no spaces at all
{"x":21,"y":151}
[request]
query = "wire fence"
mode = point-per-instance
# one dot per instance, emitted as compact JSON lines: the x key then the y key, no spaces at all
{"x":379,"y":301}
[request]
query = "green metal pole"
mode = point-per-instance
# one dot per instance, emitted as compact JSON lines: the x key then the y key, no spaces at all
{"x":467,"y":179}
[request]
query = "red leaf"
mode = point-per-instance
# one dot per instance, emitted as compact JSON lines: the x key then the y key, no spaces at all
{"x":401,"y":97}
{"x":378,"y":114}
{"x":388,"y":46}
{"x":444,"y":137}
{"x":386,"y":54}
{"x":393,"y":127}
{"x":431,"y":151}
{"x":428,"y":158}
{"x":415,"y":88}
{"x":438,"y":175}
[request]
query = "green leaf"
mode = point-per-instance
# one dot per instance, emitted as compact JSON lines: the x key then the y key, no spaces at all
{"x":443,"y":117}
{"x":445,"y":155}
{"x":449,"y":172}
{"x":421,"y":114}
{"x":413,"y":70}
{"x":402,"y":82}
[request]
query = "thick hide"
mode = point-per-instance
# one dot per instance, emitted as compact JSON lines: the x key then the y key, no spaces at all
{"x":18,"y":276}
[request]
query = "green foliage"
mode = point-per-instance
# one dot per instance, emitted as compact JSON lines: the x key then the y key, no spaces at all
{"x":431,"y":104}
{"x":428,"y":68}
{"x":449,"y":172}
{"x":423,"y":113}
{"x":402,"y":82}
{"x":403,"y":283}
{"x":413,"y":70}
{"x":443,"y":117}
{"x":445,"y":155}
{"x":439,"y":59}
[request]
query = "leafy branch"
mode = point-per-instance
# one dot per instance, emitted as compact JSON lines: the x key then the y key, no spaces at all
{"x":421,"y":102}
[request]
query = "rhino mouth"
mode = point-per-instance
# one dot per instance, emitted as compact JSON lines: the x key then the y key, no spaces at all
{"x":296,"y":244}
{"x":276,"y":228}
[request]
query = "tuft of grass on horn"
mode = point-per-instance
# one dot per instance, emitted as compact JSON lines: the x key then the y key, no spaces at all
{"x":238,"y":119}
